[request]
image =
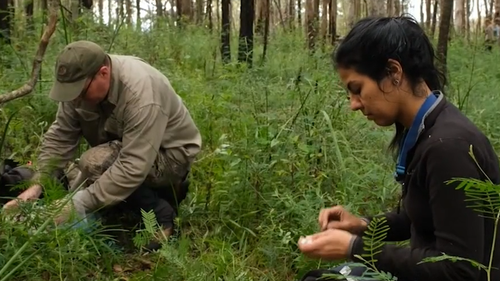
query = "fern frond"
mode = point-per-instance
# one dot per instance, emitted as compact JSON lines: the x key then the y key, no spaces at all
{"x":373,"y":239}
{"x":150,"y":228}
{"x":149,"y":219}
{"x":482,"y":196}
{"x":445,"y":257}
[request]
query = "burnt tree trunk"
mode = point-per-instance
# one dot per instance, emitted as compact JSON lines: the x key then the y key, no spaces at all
{"x":6,"y":8}
{"x":434,"y":18}
{"x":444,"y":31}
{"x":332,"y":27}
{"x":245,"y":48}
{"x":87,"y":4}
{"x":209,"y":15}
{"x":28,"y":10}
{"x":226,"y":32}
{"x":266,"y":29}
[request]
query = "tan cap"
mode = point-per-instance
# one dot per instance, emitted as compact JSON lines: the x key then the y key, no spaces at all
{"x":75,"y":63}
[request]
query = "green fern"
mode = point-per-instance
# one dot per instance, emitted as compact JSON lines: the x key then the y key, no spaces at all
{"x":444,"y":257}
{"x":150,"y":229}
{"x":149,"y":219}
{"x":482,"y":195}
{"x":373,"y":239}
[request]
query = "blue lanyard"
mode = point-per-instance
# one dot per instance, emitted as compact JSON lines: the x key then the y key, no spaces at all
{"x":411,"y":136}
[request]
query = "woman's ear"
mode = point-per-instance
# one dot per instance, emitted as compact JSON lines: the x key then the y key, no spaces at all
{"x":394,"y":70}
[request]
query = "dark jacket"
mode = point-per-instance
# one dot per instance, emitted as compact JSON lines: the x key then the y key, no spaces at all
{"x":435,"y":216}
{"x":11,"y":176}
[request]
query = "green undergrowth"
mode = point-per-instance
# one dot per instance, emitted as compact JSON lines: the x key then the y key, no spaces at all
{"x":279,"y":144}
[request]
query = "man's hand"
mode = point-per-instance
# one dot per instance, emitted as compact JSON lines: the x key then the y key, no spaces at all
{"x":32,"y":193}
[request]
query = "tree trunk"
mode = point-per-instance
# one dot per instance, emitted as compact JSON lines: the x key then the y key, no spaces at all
{"x":138,"y":14}
{"x":397,"y":7}
{"x":101,"y":12}
{"x":245,"y":48}
{"x":6,"y":13}
{"x":299,"y":12}
{"x":28,"y":10}
{"x":497,"y":10}
{"x":291,"y":14}
{"x":128,"y":7}
{"x":226,"y":32}
{"x":199,"y":12}
{"x":460,"y":17}
{"x":324,"y":19}
{"x":266,"y":29}
{"x":434,"y":18}
{"x":209,"y":15}
{"x":332,"y":28}
{"x":262,"y":7}
{"x":428,"y":12}
{"x":444,"y":31}
{"x":312,"y":7}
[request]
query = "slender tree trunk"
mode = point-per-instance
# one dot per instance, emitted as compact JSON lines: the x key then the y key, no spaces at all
{"x":434,"y":18}
{"x":332,"y":28}
{"x":28,"y":10}
{"x":209,"y":15}
{"x":266,"y":29}
{"x":226,"y":32}
{"x":444,"y":31}
{"x":245,"y":48}
{"x":6,"y":13}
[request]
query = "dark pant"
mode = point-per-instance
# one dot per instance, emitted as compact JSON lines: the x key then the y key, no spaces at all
{"x":164,"y":203}
{"x":355,"y":271}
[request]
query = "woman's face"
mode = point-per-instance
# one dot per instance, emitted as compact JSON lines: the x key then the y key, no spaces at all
{"x":379,"y":103}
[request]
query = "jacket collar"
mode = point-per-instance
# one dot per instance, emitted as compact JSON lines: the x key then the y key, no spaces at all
{"x":116,"y":84}
{"x":431,"y":118}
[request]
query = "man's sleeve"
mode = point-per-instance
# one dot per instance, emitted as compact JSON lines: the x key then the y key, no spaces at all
{"x":59,"y":142}
{"x":142,"y":137}
{"x":459,"y":230}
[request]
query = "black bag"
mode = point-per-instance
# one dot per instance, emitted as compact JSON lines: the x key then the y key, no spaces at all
{"x":12,"y":175}
{"x":342,"y":272}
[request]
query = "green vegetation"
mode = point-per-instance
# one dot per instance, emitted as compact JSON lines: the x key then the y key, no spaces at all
{"x":279,"y":144}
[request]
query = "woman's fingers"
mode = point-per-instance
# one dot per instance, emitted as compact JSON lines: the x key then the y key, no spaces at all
{"x":328,"y":215}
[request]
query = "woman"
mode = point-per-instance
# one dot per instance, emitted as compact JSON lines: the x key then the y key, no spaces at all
{"x":387,"y":65}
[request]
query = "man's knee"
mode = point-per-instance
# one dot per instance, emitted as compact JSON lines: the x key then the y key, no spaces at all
{"x":170,"y":168}
{"x":96,"y":160}
{"x":166,"y":179}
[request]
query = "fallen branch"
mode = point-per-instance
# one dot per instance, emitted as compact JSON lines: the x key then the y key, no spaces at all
{"x":40,"y":53}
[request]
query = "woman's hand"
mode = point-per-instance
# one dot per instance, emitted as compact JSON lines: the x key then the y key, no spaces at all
{"x":338,"y":218}
{"x":332,"y":244}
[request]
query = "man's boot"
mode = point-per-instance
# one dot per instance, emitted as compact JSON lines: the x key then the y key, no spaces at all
{"x":165,"y":216}
{"x":156,"y":243}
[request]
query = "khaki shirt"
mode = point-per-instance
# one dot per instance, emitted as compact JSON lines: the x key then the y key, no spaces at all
{"x":143,"y":110}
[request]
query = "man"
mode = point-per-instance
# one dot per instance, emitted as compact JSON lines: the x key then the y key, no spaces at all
{"x":142,"y":136}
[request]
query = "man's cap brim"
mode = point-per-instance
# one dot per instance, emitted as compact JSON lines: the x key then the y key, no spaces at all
{"x":63,"y":92}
